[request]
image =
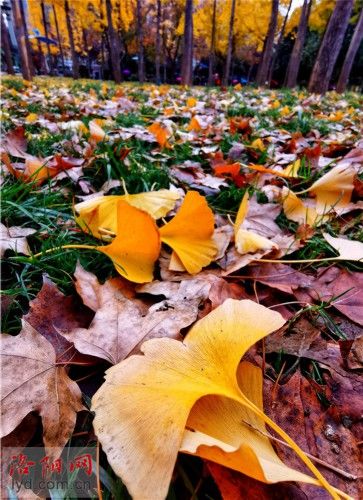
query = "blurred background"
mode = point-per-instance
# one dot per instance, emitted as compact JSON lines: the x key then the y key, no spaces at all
{"x":314,"y":43}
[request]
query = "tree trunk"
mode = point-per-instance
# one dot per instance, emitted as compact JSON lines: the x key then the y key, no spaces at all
{"x":59,"y":39}
{"x":227,"y":67}
{"x":140,"y":43}
{"x":330,"y":47}
{"x":20,"y":37}
{"x":212,"y":46}
{"x":5,"y":43}
{"x":158,"y":42}
{"x":45,"y":25}
{"x":279,"y":43}
{"x":75,"y":64}
{"x":295,"y":57}
{"x":264,"y":66}
{"x":349,"y":58}
{"x":187,"y":61}
{"x":27,"y":41}
{"x":114,"y":46}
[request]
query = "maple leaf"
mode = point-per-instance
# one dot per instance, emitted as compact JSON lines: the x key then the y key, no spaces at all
{"x":129,"y":322}
{"x":143,"y":406}
{"x":33,"y":381}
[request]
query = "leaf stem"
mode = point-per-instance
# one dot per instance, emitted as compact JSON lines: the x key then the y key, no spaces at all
{"x":297,"y":261}
{"x":54,"y":249}
{"x":301,"y":454}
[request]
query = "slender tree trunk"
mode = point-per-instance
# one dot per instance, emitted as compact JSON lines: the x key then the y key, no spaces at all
{"x":59,"y":38}
{"x":114,"y":45}
{"x":330,"y":46}
{"x":140,"y":43}
{"x":212,"y":46}
{"x":227,"y":67}
{"x":187,"y":61}
{"x":279,"y":43}
{"x":20,"y":37}
{"x":5,"y":43}
{"x":295,"y":58}
{"x":158,"y":42}
{"x":45,"y":25}
{"x":349,"y":58}
{"x":265,"y":62}
{"x":27,"y":41}
{"x":75,"y":63}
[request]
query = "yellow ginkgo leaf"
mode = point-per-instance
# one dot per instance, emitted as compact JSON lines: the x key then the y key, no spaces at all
{"x":248,"y":241}
{"x":226,"y":432}
{"x":31,"y":118}
{"x":142,"y":408}
{"x":295,"y":209}
{"x":137,"y":245}
{"x":194,"y":125}
{"x":334,"y":189}
{"x":258,"y":144}
{"x":99,"y":214}
{"x":96,"y":132}
{"x":156,"y":203}
{"x":347,"y":249}
{"x":191,"y":102}
{"x":190,"y":233}
{"x":293,"y":169}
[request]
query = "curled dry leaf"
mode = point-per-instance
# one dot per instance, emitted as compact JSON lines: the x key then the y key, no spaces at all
{"x":334,"y":189}
{"x":298,"y":211}
{"x":14,"y":238}
{"x":32,"y":381}
{"x":142,"y":408}
{"x":248,"y":241}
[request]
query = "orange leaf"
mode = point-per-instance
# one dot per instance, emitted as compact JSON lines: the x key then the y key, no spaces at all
{"x":137,"y":245}
{"x":161,"y":134}
{"x":190,"y":233}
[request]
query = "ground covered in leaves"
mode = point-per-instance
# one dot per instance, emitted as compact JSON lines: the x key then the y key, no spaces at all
{"x":274,"y":176}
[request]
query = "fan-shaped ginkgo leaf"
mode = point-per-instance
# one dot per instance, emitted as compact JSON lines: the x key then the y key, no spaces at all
{"x":161,"y":134}
{"x":226,"y":432}
{"x":137,"y":245}
{"x":334,"y":189}
{"x":142,"y":408}
{"x":347,"y":249}
{"x":295,"y":209}
{"x":190,"y":233}
{"x":96,"y":131}
{"x":99,"y":214}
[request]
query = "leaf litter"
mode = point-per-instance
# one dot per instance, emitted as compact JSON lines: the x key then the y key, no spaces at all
{"x":212,"y":222}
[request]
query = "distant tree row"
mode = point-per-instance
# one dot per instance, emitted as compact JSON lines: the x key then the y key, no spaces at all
{"x":188,"y":41}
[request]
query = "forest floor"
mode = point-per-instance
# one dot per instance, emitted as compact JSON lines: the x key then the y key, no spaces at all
{"x":280,"y":174}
